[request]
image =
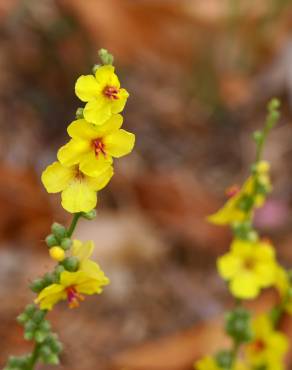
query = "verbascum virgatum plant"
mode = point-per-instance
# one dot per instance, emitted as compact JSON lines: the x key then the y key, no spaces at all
{"x":249,"y":267}
{"x":84,"y":166}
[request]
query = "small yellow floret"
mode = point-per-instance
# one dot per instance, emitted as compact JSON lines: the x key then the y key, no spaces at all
{"x":263,"y":167}
{"x":269,"y":346}
{"x":248,"y":267}
{"x":233,"y":210}
{"x":57,"y":253}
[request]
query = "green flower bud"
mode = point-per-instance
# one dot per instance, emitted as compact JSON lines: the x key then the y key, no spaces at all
{"x":238,"y":326}
{"x":274,"y":104}
{"x":37,"y":285}
{"x":38,"y":316}
{"x":30,"y":326}
{"x":40,"y":336}
{"x":52,"y":359}
{"x":71,"y":263}
{"x":49,"y":278}
{"x":56,"y":346}
{"x":45,"y":351}
{"x":51,"y":240}
{"x":58,"y":270}
{"x":30,"y":309}
{"x":105,"y":56}
{"x":59,"y":231}
{"x":22,"y":318}
{"x":79,"y":113}
{"x":66,"y":243}
{"x":28,"y":335}
{"x":89,"y":215}
{"x":258,"y":136}
{"x":224,"y":359}
{"x":45,"y":326}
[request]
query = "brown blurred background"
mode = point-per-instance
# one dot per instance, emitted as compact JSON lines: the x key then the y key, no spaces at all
{"x":200,"y":74}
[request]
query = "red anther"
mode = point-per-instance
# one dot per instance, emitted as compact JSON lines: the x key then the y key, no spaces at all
{"x":111,"y":92}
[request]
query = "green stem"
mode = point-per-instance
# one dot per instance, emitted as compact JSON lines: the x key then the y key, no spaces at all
{"x":34,"y":357}
{"x":73,"y":223}
{"x":235,"y":350}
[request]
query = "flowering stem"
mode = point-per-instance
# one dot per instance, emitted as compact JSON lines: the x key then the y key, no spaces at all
{"x":272,"y":118}
{"x":73,"y":223}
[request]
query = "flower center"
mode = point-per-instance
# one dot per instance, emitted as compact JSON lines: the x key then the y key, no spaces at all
{"x":111,"y":92}
{"x":98,"y":146}
{"x":73,"y":297}
{"x":259,"y":345}
{"x":78,"y":174}
{"x":249,"y":263}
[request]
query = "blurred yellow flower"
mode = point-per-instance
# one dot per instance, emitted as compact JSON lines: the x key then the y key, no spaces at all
{"x":78,"y":189}
{"x":268,"y":348}
{"x":102,"y":94}
{"x":94,"y":146}
{"x":209,"y":363}
{"x":241,"y":204}
{"x":249,"y":266}
{"x":284,"y":287}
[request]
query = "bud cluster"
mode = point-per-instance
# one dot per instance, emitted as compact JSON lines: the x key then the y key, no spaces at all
{"x":36,"y":328}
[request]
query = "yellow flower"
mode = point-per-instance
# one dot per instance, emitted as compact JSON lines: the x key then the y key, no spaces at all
{"x":94,"y":146}
{"x":241,"y":204}
{"x":249,"y":266}
{"x":102,"y":93}
{"x":285,"y":288}
{"x":71,"y":287}
{"x":209,"y":363}
{"x":268,"y":347}
{"x":89,"y":279}
{"x":78,"y":189}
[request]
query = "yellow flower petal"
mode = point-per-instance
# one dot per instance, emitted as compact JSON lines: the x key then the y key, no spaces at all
{"x":49,"y":296}
{"x":82,"y":250}
{"x":244,"y":286}
{"x":105,"y":76}
{"x":87,"y":88}
{"x":56,"y":177}
{"x":81,"y":129}
{"x":98,"y":183}
{"x":228,"y":266}
{"x":119,"y":143}
{"x":113,"y":124}
{"x":93,"y":165}
{"x":79,"y":197}
{"x":97,"y":111}
{"x":90,"y":287}
{"x":70,"y":153}
{"x":119,"y":104}
{"x":68,"y":279}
